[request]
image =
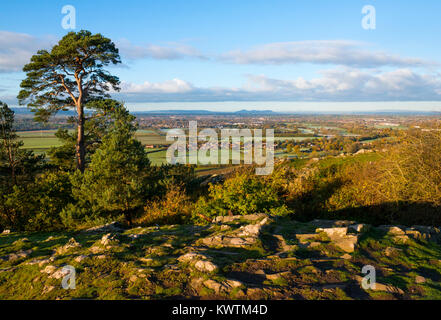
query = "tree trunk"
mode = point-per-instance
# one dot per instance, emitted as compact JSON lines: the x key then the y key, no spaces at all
{"x":80,"y":149}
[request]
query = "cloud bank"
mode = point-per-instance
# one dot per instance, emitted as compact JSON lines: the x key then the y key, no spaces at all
{"x":17,"y":48}
{"x":340,"y":52}
{"x":339,"y":84}
{"x":172,"y":51}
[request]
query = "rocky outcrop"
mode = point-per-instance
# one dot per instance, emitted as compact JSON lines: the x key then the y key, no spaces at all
{"x":71,"y":244}
{"x":245,"y":257}
{"x":109,"y":227}
{"x":243,"y":237}
{"x":17,"y":255}
{"x":200,"y":261}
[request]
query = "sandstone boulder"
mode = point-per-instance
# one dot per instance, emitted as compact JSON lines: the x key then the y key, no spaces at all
{"x":205,"y":266}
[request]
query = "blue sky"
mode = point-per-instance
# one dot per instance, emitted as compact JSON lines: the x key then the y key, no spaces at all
{"x":280,"y":55}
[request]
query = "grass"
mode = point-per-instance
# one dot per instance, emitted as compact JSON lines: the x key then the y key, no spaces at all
{"x":127,"y":273}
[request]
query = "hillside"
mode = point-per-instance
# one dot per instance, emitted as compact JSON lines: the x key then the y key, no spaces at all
{"x":239,"y":257}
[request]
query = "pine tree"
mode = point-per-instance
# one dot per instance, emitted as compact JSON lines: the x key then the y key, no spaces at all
{"x":70,"y":76}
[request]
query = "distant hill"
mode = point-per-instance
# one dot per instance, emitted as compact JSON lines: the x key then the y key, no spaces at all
{"x":206,"y":112}
{"x":21,"y":110}
{"x":26,"y":111}
{"x":245,"y":112}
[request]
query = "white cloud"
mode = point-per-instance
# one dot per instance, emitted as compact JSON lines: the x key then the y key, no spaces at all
{"x":173,"y":51}
{"x":16,"y":49}
{"x":348,"y":84}
{"x":171,"y":86}
{"x":340,"y":52}
{"x":341,"y":84}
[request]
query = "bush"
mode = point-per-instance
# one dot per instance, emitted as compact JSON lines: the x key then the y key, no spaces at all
{"x":242,"y":194}
{"x":37,"y":206}
{"x":174,"y":208}
{"x":403,"y":187}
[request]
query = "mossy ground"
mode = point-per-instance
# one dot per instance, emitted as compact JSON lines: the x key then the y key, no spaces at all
{"x":141,"y":263}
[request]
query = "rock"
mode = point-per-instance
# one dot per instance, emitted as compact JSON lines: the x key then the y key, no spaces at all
{"x":101,"y":256}
{"x":256,"y":293}
{"x":109,"y":239}
{"x":282,"y":243}
{"x":71,"y":244}
{"x":427,"y":229}
{"x":40,"y":262}
{"x":225,"y":227}
{"x":20,"y":241}
{"x":49,"y":269}
{"x":47,"y":289}
{"x":224,"y":287}
{"x":333,"y":286}
{"x":196,"y":283}
{"x":146,"y":260}
{"x":250,"y":230}
{"x":391,"y":230}
{"x":387,"y":288}
{"x":228,"y":241}
{"x":213,"y":285}
{"x":232,"y":283}
{"x":133,"y":278}
{"x":96,"y":249}
{"x":358,"y":228}
{"x":401,"y":239}
{"x":109,"y":227}
{"x":420,"y":279}
{"x":303,"y":237}
{"x":235,"y":242}
{"x":200,"y":261}
{"x":249,"y":217}
{"x":307,"y":245}
{"x":17,"y":255}
{"x":425,"y":232}
{"x":205,"y":266}
{"x":340,"y":238}
{"x":381,"y":287}
{"x":191,"y":256}
{"x":347,"y":243}
{"x":136,"y":235}
{"x":276,"y":276}
{"x":346,"y":256}
{"x":81,"y":258}
{"x":6,"y":231}
{"x":245,"y":236}
{"x":415,"y":234}
{"x":60,"y":273}
{"x":333,"y":233}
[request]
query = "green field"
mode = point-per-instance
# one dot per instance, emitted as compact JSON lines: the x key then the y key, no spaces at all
{"x":42,"y":140}
{"x":39,"y":141}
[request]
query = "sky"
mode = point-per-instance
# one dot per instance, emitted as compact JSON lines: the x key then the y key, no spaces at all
{"x":229,"y":55}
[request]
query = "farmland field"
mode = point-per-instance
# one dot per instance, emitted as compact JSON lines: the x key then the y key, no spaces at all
{"x":42,"y":140}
